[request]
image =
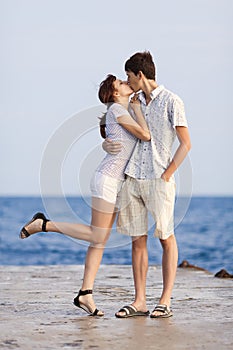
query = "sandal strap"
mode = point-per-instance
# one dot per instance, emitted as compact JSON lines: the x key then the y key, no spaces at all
{"x":44,"y":225}
{"x":25,"y":232}
{"x":128,"y":309}
{"x":95,"y":313}
{"x":84,"y":292}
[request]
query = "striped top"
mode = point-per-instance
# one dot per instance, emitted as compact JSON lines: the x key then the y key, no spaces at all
{"x":113,"y":165}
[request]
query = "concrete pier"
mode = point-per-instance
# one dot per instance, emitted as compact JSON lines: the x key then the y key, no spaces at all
{"x":37,"y":311}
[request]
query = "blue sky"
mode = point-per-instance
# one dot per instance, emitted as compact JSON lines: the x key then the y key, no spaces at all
{"x":54,"y":55}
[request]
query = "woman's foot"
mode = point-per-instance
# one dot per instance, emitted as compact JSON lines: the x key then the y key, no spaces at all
{"x":84,"y":300}
{"x":35,"y":225}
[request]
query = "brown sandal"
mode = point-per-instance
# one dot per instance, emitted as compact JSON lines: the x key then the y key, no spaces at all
{"x":164,"y":309}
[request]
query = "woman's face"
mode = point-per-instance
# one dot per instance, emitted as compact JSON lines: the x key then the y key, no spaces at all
{"x":122,"y":87}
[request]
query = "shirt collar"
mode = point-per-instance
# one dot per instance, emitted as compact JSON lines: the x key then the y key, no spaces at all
{"x":154,"y":93}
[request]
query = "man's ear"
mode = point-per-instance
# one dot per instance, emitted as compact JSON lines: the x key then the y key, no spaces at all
{"x":140,"y":74}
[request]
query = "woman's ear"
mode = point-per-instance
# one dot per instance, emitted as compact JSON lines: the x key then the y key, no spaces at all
{"x":116,"y":93}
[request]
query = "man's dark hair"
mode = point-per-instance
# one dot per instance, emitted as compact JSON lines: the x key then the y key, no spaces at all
{"x":141,"y":61}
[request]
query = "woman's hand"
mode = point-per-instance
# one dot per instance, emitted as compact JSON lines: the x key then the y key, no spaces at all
{"x":135,"y":103}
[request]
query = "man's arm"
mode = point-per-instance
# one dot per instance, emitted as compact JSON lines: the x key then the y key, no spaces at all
{"x":181,"y":152}
{"x":111,"y":147}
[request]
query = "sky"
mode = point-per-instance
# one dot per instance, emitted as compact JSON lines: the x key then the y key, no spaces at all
{"x":54,"y":54}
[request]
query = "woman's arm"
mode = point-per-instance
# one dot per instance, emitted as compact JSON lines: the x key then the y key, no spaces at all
{"x":133,"y":127}
{"x":138,"y":128}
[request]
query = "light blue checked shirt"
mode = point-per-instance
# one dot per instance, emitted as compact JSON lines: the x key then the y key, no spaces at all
{"x":164,"y":112}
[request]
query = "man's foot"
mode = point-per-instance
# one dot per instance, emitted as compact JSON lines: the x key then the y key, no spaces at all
{"x":36,"y":224}
{"x":133,"y":310}
{"x":130,"y":311}
{"x":161,"y":311}
{"x":84,"y":300}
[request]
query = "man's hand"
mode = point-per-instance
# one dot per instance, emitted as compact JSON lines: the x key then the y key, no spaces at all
{"x":165,"y":176}
{"x":181,"y":152}
{"x":111,"y":147}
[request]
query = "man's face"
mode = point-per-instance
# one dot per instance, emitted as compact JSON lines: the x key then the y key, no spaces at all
{"x":134,"y":81}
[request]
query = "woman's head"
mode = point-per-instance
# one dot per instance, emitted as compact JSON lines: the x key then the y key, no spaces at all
{"x":113,"y":89}
{"x":107,"y":89}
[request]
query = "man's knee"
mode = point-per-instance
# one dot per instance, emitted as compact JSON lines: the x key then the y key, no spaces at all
{"x":169,"y":242}
{"x":139,"y":243}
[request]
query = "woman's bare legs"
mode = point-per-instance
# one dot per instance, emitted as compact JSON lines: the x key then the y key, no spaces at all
{"x":95,"y":252}
{"x":97,"y":233}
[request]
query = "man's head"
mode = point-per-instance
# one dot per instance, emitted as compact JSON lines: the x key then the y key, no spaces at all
{"x":139,"y":66}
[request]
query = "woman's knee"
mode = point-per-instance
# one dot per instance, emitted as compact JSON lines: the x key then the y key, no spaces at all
{"x":100,"y":238}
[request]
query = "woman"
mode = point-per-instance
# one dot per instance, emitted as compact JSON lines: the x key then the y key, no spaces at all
{"x":105,"y":185}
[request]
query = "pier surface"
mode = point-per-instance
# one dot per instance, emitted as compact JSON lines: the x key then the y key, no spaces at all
{"x":37,"y":311}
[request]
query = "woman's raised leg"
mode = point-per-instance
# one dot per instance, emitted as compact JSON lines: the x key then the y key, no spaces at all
{"x":95,"y":233}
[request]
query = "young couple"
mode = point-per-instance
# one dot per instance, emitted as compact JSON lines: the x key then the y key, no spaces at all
{"x":134,"y":178}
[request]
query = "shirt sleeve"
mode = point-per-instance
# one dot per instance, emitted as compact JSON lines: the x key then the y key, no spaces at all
{"x":119,"y":110}
{"x":177,"y":113}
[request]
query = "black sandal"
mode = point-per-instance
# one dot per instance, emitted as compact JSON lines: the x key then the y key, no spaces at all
{"x":35,"y":217}
{"x":131,"y":311}
{"x":83,"y":306}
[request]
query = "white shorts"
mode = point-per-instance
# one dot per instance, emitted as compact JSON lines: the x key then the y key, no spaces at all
{"x":105,"y":187}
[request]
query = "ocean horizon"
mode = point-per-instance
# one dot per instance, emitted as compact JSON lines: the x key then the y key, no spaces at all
{"x":203,"y":228}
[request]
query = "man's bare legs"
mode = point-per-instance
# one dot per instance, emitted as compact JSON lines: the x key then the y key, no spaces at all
{"x":140,"y":268}
{"x":169,"y":267}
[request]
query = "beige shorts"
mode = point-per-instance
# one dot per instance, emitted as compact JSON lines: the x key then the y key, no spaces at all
{"x":137,"y":198}
{"x":105,"y":187}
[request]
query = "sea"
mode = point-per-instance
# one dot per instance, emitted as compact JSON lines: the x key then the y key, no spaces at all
{"x":203,"y":228}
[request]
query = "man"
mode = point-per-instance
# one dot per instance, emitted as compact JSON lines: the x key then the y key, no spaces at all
{"x":150,"y":184}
